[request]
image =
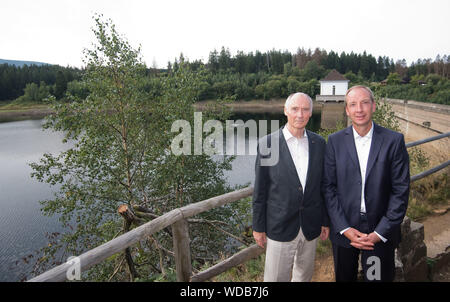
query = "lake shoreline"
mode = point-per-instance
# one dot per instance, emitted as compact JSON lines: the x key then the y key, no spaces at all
{"x":19,"y":115}
{"x":40,"y":111}
{"x":19,"y":112}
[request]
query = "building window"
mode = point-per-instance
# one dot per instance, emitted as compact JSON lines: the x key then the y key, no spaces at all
{"x":334,"y":90}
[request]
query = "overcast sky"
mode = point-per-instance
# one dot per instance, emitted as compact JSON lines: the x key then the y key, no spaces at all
{"x":57,"y":31}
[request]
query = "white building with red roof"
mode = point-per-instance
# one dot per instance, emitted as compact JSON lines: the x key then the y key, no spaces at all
{"x":333,"y":87}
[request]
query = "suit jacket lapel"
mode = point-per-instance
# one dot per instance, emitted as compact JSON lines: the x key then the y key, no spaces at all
{"x":375,"y":147}
{"x":312,"y":155}
{"x":286,"y":159}
{"x":351,"y":148}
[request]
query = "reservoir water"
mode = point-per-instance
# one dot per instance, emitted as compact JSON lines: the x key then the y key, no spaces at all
{"x":23,"y":228}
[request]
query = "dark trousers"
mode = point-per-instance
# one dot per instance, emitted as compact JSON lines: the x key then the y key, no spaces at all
{"x":377,"y":264}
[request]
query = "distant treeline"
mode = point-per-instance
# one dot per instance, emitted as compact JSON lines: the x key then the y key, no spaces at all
{"x":365,"y":65}
{"x":276,"y":74}
{"x":258,"y":75}
{"x":280,"y":62}
{"x":51,"y":78}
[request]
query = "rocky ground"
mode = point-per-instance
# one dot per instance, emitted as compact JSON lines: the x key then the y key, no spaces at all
{"x":442,"y":275}
{"x":324,"y":268}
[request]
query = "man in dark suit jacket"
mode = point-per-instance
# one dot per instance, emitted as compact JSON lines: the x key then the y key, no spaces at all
{"x":288,"y":209}
{"x":366,"y":189}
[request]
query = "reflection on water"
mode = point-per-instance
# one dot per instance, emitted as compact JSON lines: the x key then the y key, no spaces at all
{"x":331,"y":114}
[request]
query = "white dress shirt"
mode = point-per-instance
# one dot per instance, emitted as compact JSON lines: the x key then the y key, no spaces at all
{"x":299,"y":149}
{"x":362,"y":144}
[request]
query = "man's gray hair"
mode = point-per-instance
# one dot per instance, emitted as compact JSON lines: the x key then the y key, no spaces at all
{"x":293,"y":96}
{"x":360,"y":87}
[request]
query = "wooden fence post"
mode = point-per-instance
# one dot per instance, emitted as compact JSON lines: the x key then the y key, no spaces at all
{"x":182,"y":250}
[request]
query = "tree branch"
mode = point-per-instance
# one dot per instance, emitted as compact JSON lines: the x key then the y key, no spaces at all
{"x":214,"y":223}
{"x":116,"y":270}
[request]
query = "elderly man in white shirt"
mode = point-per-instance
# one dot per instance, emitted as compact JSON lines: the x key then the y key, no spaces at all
{"x":289,"y":213}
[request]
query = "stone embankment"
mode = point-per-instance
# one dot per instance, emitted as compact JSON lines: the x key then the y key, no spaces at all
{"x":422,"y":257}
{"x":411,"y":255}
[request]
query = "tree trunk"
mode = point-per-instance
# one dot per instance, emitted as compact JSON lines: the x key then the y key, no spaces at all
{"x":182,"y":250}
{"x":129,"y":218}
{"x":129,"y":215}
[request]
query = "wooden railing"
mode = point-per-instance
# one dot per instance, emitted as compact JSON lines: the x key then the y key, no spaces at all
{"x":436,"y":168}
{"x":177,"y":219}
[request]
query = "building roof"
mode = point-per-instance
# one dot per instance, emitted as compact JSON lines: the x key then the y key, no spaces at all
{"x":334,"y":75}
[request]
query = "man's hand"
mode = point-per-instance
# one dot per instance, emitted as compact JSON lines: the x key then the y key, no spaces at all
{"x":359,"y":240}
{"x":372,"y":238}
{"x":324,"y":233}
{"x":260,"y":238}
{"x":367,"y":243}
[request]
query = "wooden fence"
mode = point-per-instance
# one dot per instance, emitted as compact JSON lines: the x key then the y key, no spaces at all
{"x":177,"y":219}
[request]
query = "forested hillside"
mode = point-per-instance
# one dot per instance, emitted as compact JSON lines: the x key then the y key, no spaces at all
{"x":253,"y":75}
{"x":35,"y":82}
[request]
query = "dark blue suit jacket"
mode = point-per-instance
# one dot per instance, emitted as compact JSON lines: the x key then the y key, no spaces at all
{"x":386,"y":187}
{"x":279,"y":206}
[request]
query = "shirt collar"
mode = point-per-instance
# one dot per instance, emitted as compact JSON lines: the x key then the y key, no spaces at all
{"x":288,"y":135}
{"x":368,"y":135}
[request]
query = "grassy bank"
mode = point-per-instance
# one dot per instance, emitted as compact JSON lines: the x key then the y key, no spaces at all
{"x":429,"y":196}
{"x":14,"y":111}
{"x":14,"y":106}
{"x":21,"y":106}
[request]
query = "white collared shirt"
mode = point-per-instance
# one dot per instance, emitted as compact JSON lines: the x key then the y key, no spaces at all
{"x":362,"y":144}
{"x":299,"y":149}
